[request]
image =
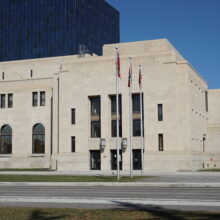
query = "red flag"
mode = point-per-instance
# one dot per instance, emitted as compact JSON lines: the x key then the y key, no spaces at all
{"x":118,"y":65}
{"x":130,"y":76}
{"x":140,"y":78}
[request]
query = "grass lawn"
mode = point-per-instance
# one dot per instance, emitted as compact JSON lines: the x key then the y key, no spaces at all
{"x":14,"y":169}
{"x":61,"y":178}
{"x":10,"y":213}
{"x":210,"y":170}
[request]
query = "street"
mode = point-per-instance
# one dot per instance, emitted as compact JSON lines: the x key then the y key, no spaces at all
{"x":96,"y":197}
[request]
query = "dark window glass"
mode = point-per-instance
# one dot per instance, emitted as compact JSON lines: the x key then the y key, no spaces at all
{"x":34,"y":98}
{"x":6,"y":140}
{"x":95,"y":160}
{"x":160,"y":112}
{"x":137,"y":160}
{"x":136,"y":103}
{"x":95,"y":105}
{"x":206,"y":101}
{"x":38,"y":139}
{"x":31,"y":73}
{"x":42,"y":98}
{"x":10,"y":100}
{"x":160,"y":142}
{"x":73,"y":144}
{"x":3,"y":75}
{"x":136,"y":127}
{"x":114,"y":159}
{"x":2,"y":100}
{"x":95,"y":129}
{"x":113,"y":104}
{"x":73,"y":116}
{"x":114,"y":128}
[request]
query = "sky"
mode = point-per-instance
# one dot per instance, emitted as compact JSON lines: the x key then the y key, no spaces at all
{"x":192,"y":27}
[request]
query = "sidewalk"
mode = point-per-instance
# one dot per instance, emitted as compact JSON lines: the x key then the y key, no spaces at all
{"x":159,"y":179}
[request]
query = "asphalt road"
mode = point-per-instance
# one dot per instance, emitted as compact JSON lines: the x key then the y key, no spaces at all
{"x":182,"y":198}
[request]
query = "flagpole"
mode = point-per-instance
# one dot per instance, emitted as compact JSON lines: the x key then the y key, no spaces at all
{"x":130,"y":115}
{"x":141,"y":111}
{"x":117,"y":112}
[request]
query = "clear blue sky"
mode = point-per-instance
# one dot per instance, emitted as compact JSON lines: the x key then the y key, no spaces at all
{"x":192,"y":26}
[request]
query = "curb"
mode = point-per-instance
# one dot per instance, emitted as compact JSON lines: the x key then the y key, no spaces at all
{"x":109,"y":184}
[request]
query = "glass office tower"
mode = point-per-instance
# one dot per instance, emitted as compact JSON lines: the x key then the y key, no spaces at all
{"x":47,"y":28}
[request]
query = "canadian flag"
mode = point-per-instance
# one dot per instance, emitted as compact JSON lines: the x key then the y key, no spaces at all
{"x":140,"y":78}
{"x":118,"y":64}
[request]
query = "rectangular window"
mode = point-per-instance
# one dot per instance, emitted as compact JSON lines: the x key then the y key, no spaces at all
{"x":206,"y":101}
{"x":73,"y":144}
{"x":10,"y":100}
{"x":73,"y":116}
{"x":114,"y":159}
{"x":136,"y":103}
{"x":95,"y":129}
{"x":113,"y":104}
{"x":95,"y":116}
{"x":113,"y":115}
{"x":34,"y":98}
{"x":136,"y":127}
{"x":95,"y":160}
{"x":42,"y":98}
{"x":160,"y":112}
{"x":160,"y":142}
{"x":95,"y":105}
{"x":136,"y":114}
{"x":114,"y":128}
{"x":2,"y":100}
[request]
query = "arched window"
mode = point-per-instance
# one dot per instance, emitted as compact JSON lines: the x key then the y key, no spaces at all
{"x":6,"y":140}
{"x":38,"y":139}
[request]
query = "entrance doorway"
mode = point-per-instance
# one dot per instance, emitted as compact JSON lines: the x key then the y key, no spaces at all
{"x":137,"y":160}
{"x":114,"y":159}
{"x":95,"y":160}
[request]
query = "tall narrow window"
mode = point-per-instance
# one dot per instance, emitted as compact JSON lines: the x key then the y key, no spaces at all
{"x":113,"y":116}
{"x":31,"y":73}
{"x":160,"y":142}
{"x":2,"y":100}
{"x":38,"y":139}
{"x":73,"y":144}
{"x":160,"y":112}
{"x":136,"y":114}
{"x":206,"y":101}
{"x":137,"y":159}
{"x":34,"y":98}
{"x":6,"y":140}
{"x":3,"y":75}
{"x":95,"y":116}
{"x":203,"y":144}
{"x":73,"y":116}
{"x":95,"y":160}
{"x":42,"y":98}
{"x":10,"y":100}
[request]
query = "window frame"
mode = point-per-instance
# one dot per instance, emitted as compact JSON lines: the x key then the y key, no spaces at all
{"x":160,"y":142}
{"x":42,"y":98}
{"x":34,"y":99}
{"x":35,"y":136}
{"x":73,"y":144}
{"x":160,"y":112}
{"x":10,"y":101}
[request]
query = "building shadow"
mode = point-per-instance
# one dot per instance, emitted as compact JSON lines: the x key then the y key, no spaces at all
{"x":39,"y":214}
{"x":158,"y":212}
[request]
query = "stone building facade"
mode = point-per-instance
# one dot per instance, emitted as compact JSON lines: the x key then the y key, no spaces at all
{"x":55,"y":112}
